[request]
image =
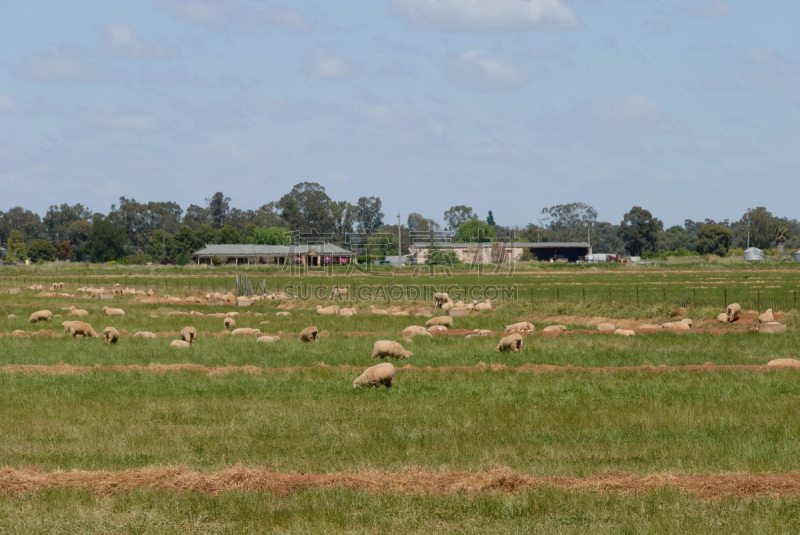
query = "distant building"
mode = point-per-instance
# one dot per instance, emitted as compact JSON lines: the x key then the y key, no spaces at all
{"x":311,"y":255}
{"x":497,"y":252}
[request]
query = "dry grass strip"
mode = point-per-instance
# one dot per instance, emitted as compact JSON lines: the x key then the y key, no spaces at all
{"x":68,"y":369}
{"x":178,"y":479}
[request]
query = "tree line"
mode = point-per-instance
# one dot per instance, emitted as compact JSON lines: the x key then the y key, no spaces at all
{"x":135,"y":232}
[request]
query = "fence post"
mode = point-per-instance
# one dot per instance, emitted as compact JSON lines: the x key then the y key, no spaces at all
{"x":694,"y":296}
{"x":725,"y":299}
{"x":664,"y":290}
{"x":531,"y":295}
{"x":558,"y":295}
{"x":584,"y":293}
{"x":609,"y":296}
{"x":795,"y":299}
{"x":759,"y":301}
{"x":638,"y":303}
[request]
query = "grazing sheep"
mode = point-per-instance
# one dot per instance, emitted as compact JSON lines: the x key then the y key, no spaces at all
{"x":80,"y":328}
{"x":415,"y":329}
{"x":41,"y":315}
{"x":113,"y":311}
{"x":511,"y":342}
{"x":486,"y":305}
{"x":482,"y":332}
{"x":327,"y":311}
{"x":440,"y":298}
{"x":766,"y":317}
{"x":339,"y":292}
{"x":269,"y":339}
{"x":188,"y":334}
{"x":66,"y":325}
{"x":179,"y":343}
{"x":436,"y":328}
{"x":675,"y":326}
{"x":378,"y":311}
{"x":447,"y":306}
{"x":733,"y":311}
{"x":447,"y":321}
{"x":55,"y":286}
{"x":229,"y":323}
{"x":785,"y":363}
{"x":606,"y":328}
{"x":284,"y":313}
{"x":347,"y":312}
{"x":144,"y":334}
{"x":309,"y":334}
{"x":388,"y":348}
{"x":688,"y":322}
{"x":77,"y":311}
{"x":624,"y":332}
{"x":521,"y":327}
{"x":244,"y":331}
{"x":110,"y":335}
{"x":555,"y":329}
{"x":380,"y":374}
{"x":11,"y":316}
{"x":177,"y":313}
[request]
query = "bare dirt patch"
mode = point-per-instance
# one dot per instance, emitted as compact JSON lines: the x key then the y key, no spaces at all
{"x":180,"y":480}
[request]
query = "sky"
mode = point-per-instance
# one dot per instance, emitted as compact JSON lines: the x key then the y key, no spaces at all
{"x":688,"y":108}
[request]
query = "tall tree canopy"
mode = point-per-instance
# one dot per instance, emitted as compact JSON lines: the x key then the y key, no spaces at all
{"x":368,"y":214}
{"x":457,"y":215}
{"x":475,"y":231}
{"x":307,"y":209}
{"x":639,"y":230}
{"x":218,"y":209}
{"x":570,"y":222}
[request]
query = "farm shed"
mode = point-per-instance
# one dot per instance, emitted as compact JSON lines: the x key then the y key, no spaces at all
{"x":497,"y":252}
{"x":311,"y":255}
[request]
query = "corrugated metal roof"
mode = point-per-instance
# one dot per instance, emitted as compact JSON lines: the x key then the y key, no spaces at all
{"x":526,"y":245}
{"x":247,"y":249}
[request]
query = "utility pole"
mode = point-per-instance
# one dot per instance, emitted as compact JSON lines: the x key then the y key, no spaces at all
{"x":748,"y":231}
{"x":399,"y":242}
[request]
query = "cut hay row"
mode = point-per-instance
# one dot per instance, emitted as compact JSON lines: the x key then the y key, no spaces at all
{"x":241,"y":479}
{"x":68,"y":369}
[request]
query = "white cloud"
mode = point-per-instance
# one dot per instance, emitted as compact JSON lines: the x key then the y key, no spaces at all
{"x":717,"y":8}
{"x":322,"y":63}
{"x":236,"y":14}
{"x":62,"y":66}
{"x":119,"y":41}
{"x":484,"y":73}
{"x":485,"y":15}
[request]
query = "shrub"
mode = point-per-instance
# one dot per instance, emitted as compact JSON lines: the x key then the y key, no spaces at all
{"x":41,"y":251}
{"x":181,"y":259}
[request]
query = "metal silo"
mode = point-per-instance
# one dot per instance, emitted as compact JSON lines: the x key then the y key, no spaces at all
{"x":754,"y":253}
{"x":797,"y":256}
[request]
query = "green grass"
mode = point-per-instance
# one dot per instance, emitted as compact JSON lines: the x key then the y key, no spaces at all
{"x":314,"y":421}
{"x":336,"y":511}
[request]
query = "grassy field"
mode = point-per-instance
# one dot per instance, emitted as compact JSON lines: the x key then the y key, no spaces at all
{"x":311,"y":420}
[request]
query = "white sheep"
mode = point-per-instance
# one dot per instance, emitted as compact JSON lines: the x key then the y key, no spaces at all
{"x":283,"y":313}
{"x":110,"y":335}
{"x":482,"y":332}
{"x":229,"y":323}
{"x":380,"y":374}
{"x":80,"y":328}
{"x":327,"y":311}
{"x":625,"y":332}
{"x":606,"y":328}
{"x":144,"y":334}
{"x":688,"y":322}
{"x":66,"y":325}
{"x":415,"y":329}
{"x":766,"y":317}
{"x":388,"y":348}
{"x":378,"y":311}
{"x":555,"y":329}
{"x":309,"y":334}
{"x":77,"y":311}
{"x":521,"y":327}
{"x":436,"y":328}
{"x":511,"y":342}
{"x":179,"y":344}
{"x":675,"y":326}
{"x":447,"y":321}
{"x":188,"y":334}
{"x":269,"y":339}
{"x":244,"y":331}
{"x":347,"y":312}
{"x":440,"y":298}
{"x":113,"y":311}
{"x":722,"y":318}
{"x":40,"y":315}
{"x":733,"y":311}
{"x":486,"y":305}
{"x":339,"y":292}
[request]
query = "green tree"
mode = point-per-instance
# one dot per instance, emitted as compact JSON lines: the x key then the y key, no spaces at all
{"x":16,"y":246}
{"x":639,"y":230}
{"x":182,"y":259}
{"x":533,"y":233}
{"x":106,"y":242}
{"x":490,"y":218}
{"x":206,"y":233}
{"x":417,"y":223}
{"x":474,"y":230}
{"x":227,"y":234}
{"x":41,"y":250}
{"x":570,"y":222}
{"x":676,"y":237}
{"x":457,"y":215}
{"x":760,"y":224}
{"x":713,"y":239}
{"x":368,"y":214}
{"x":437,"y":256}
{"x":606,"y":239}
{"x":196,"y":216}
{"x":161,"y":243}
{"x":63,"y":251}
{"x":271,"y":236}
{"x":185,"y":241}
{"x":218,"y":208}
{"x":307,"y":208}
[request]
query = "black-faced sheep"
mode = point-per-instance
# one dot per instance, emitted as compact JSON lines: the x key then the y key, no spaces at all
{"x":188,"y":334}
{"x":309,"y":334}
{"x":110,"y":335}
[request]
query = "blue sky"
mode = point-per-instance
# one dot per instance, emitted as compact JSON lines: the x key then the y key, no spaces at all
{"x":688,"y":108}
